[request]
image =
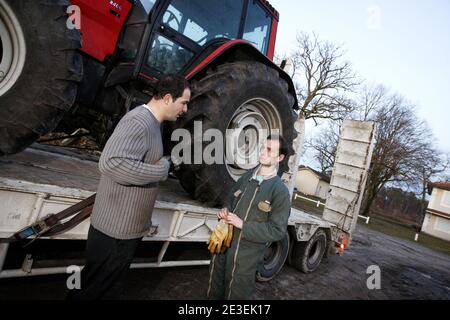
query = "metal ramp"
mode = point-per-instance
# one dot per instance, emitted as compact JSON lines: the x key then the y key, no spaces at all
{"x":353,"y":156}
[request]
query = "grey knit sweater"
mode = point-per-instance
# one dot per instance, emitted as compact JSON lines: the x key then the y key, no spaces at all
{"x":131,"y":168}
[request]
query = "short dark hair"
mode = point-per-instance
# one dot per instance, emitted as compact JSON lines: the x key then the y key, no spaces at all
{"x":172,"y":84}
{"x":284,"y":147}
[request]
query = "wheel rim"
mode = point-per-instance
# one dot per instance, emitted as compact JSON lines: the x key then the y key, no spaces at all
{"x":12,"y":48}
{"x":243,"y":139}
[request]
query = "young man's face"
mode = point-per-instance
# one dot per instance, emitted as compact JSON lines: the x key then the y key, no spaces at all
{"x":270,"y":153}
{"x":178,"y":107}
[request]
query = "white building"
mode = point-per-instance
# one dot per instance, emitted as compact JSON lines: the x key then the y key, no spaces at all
{"x":437,"y":217}
{"x":312,"y":182}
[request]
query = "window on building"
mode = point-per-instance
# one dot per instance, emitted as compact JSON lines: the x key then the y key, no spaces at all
{"x":446,"y":199}
{"x":442,"y":225}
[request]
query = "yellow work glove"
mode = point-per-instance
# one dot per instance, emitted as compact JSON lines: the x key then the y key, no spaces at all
{"x":229,"y":236}
{"x":218,"y":237}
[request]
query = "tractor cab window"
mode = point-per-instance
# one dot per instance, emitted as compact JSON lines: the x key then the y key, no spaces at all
{"x":167,"y":56}
{"x":134,"y":29}
{"x":257,"y":27}
{"x":202,"y":21}
{"x":148,"y":4}
{"x":131,"y":40}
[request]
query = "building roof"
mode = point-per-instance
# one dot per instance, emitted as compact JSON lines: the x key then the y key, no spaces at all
{"x":322,"y":176}
{"x":439,"y":185}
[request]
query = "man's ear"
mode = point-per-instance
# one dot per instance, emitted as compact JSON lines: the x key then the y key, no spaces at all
{"x":168,"y":98}
{"x":280,"y":157}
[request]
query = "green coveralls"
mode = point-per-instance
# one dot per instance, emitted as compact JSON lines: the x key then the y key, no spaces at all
{"x":264,"y":207}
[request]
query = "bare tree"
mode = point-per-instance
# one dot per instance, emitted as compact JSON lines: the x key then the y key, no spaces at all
{"x":324,"y":146}
{"x":368,"y":100}
{"x":322,"y":79}
{"x":402,"y":142}
{"x":404,"y":152}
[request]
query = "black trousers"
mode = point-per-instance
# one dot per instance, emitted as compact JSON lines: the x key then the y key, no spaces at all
{"x":107,"y":262}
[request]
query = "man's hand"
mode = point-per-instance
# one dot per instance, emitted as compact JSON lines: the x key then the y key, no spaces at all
{"x":234,"y":220}
{"x":166,"y":159}
{"x":176,"y":161}
{"x":223,"y":213}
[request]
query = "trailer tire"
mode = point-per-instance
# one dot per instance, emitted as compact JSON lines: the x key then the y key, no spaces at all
{"x":293,"y":240}
{"x":40,"y":70}
{"x":274,"y":259}
{"x":236,"y":95}
{"x":307,"y":255}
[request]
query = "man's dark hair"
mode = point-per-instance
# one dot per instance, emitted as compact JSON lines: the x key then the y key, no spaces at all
{"x":284,"y":147}
{"x":172,"y":84}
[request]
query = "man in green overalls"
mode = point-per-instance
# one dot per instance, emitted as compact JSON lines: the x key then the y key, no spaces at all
{"x":258,"y":208}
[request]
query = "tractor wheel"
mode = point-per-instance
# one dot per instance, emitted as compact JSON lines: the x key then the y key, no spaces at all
{"x":307,"y":255}
{"x":39,"y":70}
{"x":245,"y":96}
{"x":274,"y":259}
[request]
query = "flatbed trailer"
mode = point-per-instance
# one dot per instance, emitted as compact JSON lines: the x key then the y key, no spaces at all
{"x":39,"y":182}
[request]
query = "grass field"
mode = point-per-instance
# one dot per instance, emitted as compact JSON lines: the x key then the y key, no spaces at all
{"x":397,"y":229}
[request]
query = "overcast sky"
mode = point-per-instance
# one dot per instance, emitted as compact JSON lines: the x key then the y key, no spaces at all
{"x":401,"y":44}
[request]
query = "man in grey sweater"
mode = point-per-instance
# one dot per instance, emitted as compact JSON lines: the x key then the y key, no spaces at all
{"x":131,"y":164}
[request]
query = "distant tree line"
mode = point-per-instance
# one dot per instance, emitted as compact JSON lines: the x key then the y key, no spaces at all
{"x":399,"y":204}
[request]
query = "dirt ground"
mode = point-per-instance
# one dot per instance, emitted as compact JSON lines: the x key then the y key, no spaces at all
{"x":408,"y":271}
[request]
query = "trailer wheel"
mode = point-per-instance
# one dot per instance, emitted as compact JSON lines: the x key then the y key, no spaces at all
{"x":244,"y":96}
{"x":306,"y":256}
{"x":274,"y":259}
{"x":39,"y":70}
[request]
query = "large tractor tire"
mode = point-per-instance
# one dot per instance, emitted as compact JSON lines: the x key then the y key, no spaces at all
{"x":39,"y":70}
{"x":243,"y":95}
{"x":274,"y":258}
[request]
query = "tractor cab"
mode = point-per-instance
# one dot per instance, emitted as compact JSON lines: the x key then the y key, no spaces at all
{"x":179,"y":35}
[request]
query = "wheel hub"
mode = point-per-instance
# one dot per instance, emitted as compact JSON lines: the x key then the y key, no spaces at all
{"x":245,"y":146}
{"x":12,"y":48}
{"x":246,"y":132}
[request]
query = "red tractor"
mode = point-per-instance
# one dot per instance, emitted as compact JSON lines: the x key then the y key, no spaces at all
{"x":49,"y":69}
